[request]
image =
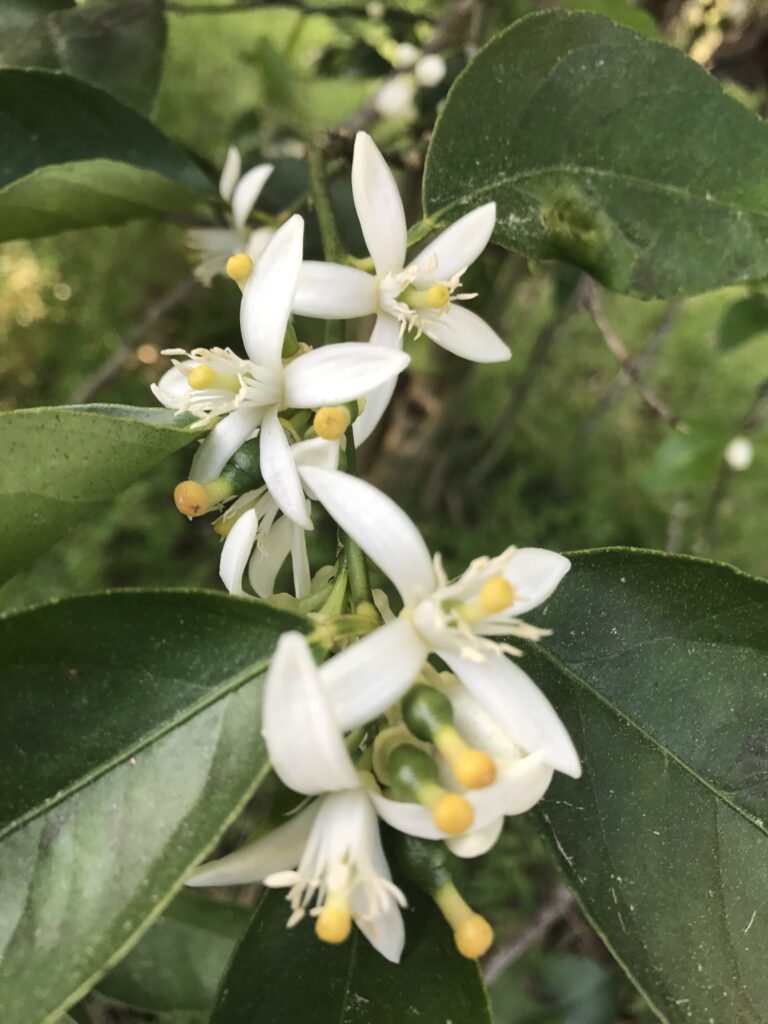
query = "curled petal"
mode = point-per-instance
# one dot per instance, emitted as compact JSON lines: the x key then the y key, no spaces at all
{"x":277,"y":851}
{"x":230,"y":173}
{"x":268,"y":557}
{"x":379,"y":526}
{"x":383,"y":927}
{"x":386,"y":332}
{"x":223,"y":441}
{"x":379,"y":207}
{"x":279,"y":471}
{"x":458,"y":246}
{"x":339,"y":373}
{"x":316,"y":452}
{"x":268,"y":295}
{"x":302,"y":736}
{"x":237,"y":550}
{"x":247,"y":191}
{"x":465,"y":334}
{"x":478,"y":842}
{"x":332,"y":291}
{"x":535,"y":573}
{"x":300,"y":561}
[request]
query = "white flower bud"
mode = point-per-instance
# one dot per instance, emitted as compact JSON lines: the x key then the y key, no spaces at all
{"x":739,"y":453}
{"x":375,"y":9}
{"x":430,"y":70}
{"x":395,"y":97}
{"x":405,"y":56}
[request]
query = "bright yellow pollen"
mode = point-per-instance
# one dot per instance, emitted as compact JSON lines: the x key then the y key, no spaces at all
{"x":202,"y":377}
{"x":496,"y":595}
{"x":473,"y":937}
{"x":437,"y":296}
{"x":239,"y":267}
{"x":191,"y":498}
{"x":333,"y":925}
{"x":452,"y":813}
{"x":474,"y":769}
{"x":331,"y":422}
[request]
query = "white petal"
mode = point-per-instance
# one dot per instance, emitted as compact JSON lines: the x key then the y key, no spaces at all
{"x":385,"y":931}
{"x":462,"y":332}
{"x":316,"y":452}
{"x":230,"y":173}
{"x":277,"y":851}
{"x":370,"y":675}
{"x":331,"y":291}
{"x":386,"y":332}
{"x":247,"y":191}
{"x":173,"y":383}
{"x":279,"y":471}
{"x":237,"y":550}
{"x":518,"y":706}
{"x":415,"y":820}
{"x":223,"y":441}
{"x":475,"y":844}
{"x":379,"y":526}
{"x":518,"y":788}
{"x":268,"y":557}
{"x":339,"y":373}
{"x":268,"y":295}
{"x":458,"y":246}
{"x":379,"y":207}
{"x":258,"y":241}
{"x":303,"y":739}
{"x":535,"y":573}
{"x":300,"y":561}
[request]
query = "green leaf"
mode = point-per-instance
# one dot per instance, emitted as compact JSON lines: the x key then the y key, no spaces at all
{"x":280,"y":975}
{"x":622,"y":12}
{"x":59,"y":465}
{"x":687,"y":461}
{"x":612,"y":152}
{"x":75,"y":157}
{"x":569,"y":990}
{"x":180,"y":961}
{"x":24,"y":14}
{"x":130,"y":738}
{"x":658,"y":666}
{"x":743,"y":321}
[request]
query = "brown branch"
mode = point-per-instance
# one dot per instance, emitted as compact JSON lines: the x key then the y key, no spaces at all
{"x":114,"y":364}
{"x":534,"y":931}
{"x":629,"y":366}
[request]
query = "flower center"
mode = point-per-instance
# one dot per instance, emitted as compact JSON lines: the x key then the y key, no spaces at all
{"x":204,"y":377}
{"x":334,"y":922}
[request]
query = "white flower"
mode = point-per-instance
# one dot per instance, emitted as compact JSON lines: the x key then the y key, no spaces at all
{"x":739,"y":453}
{"x":430,"y":70}
{"x":329,"y":856}
{"x":405,"y":56}
{"x":453,"y":620}
{"x":262,"y":539}
{"x":253,"y":392}
{"x":395,"y":97}
{"x":422,"y":296}
{"x":216,"y":245}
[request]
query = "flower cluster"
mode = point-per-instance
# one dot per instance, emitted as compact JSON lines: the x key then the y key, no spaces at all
{"x":421,"y":719}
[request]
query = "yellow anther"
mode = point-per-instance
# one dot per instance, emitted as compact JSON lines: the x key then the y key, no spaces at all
{"x":191,"y":498}
{"x":437,"y":296}
{"x":474,"y":769}
{"x":473,"y":937}
{"x":239,"y":267}
{"x":333,"y":925}
{"x":496,"y":595}
{"x":331,"y":422}
{"x":452,"y":813}
{"x":202,"y":377}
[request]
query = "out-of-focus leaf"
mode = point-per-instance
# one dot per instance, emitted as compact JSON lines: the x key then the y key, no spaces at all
{"x":115,"y":44}
{"x":280,"y":975}
{"x":686,"y":461}
{"x":607,"y":150}
{"x":555,"y":989}
{"x":179,"y":962}
{"x":623,"y":12}
{"x":658,"y":667}
{"x":59,"y":465}
{"x":72,"y":156}
{"x":743,"y":321}
{"x":130,"y":738}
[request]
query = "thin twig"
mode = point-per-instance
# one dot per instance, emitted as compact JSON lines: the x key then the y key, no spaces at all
{"x":533,"y":932}
{"x":750,"y":422}
{"x":330,"y":10}
{"x":594,"y":304}
{"x":114,"y":364}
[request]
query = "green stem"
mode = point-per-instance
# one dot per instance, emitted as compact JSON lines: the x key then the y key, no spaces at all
{"x":333,"y":248}
{"x":359,"y":583}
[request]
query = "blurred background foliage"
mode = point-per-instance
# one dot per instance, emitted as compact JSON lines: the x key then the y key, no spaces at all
{"x":561,"y":447}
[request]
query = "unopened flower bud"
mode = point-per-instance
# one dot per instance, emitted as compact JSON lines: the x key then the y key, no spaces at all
{"x":430,"y":70}
{"x":240,"y":268}
{"x":405,"y":56}
{"x":395,"y":97}
{"x":739,"y":454}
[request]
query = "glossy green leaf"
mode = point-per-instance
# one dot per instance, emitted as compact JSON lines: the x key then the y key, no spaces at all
{"x":743,"y":321}
{"x":130,"y":737}
{"x":74,"y":157}
{"x":607,"y":150}
{"x":180,"y":961}
{"x":658,"y":665}
{"x":280,"y":975}
{"x":117,"y":45}
{"x":59,"y":465}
